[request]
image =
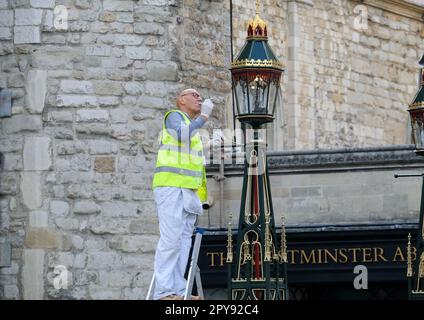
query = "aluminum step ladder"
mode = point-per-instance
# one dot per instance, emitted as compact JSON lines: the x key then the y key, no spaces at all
{"x":193,"y":273}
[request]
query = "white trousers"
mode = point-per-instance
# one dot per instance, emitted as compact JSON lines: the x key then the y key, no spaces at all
{"x":176,"y":225}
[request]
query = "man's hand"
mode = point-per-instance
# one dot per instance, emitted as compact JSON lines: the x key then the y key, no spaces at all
{"x":207,"y":107}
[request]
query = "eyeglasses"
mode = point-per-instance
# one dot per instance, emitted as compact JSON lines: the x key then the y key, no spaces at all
{"x":194,"y":94}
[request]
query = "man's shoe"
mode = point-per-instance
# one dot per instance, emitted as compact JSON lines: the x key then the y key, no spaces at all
{"x":171,"y":297}
{"x":196,"y":298}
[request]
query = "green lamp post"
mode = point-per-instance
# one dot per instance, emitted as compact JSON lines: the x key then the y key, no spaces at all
{"x":258,"y":264}
{"x":415,"y":271}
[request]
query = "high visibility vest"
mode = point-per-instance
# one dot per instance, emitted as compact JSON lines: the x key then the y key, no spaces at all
{"x":180,"y":164}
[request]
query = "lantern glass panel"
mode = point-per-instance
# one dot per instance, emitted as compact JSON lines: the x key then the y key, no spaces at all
{"x":241,"y":95}
{"x":258,"y":94}
{"x":417,"y":119}
{"x":273,"y":95}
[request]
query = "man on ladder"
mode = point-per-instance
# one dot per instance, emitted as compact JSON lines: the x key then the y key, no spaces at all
{"x":179,"y":187}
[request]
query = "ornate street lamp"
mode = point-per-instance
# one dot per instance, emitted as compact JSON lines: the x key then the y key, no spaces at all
{"x":258,"y":266}
{"x":256,"y":76}
{"x":416,"y":275}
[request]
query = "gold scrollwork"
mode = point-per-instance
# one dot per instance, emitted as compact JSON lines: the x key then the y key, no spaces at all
{"x":229,"y":240}
{"x":250,"y":218}
{"x":245,"y":249}
{"x":283,"y":248}
{"x":421,"y":266}
{"x":256,"y":63}
{"x":420,"y":273}
{"x":268,"y":240}
{"x":408,"y":257}
{"x":416,"y":105}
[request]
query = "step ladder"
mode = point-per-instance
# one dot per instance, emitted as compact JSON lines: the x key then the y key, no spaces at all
{"x":193,"y":273}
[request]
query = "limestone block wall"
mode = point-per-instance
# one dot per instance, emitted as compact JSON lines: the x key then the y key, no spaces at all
{"x":365,"y":74}
{"x":351,"y":70}
{"x":88,"y":102}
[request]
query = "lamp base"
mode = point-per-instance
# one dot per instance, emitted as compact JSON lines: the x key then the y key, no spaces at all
{"x":255,"y":120}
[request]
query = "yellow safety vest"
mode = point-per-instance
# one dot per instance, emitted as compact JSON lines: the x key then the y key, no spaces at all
{"x":180,"y":165}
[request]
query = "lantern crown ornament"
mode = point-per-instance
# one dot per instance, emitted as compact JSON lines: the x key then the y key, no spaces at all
{"x":256,"y":74}
{"x":257,"y":28}
{"x":416,"y":111}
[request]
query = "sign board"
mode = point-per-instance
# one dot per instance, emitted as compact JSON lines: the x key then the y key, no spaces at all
{"x":322,"y":257}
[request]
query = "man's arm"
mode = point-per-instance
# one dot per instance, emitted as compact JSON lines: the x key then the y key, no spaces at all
{"x":177,"y":127}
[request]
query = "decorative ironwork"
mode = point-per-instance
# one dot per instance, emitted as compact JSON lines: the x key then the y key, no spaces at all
{"x":283,"y":253}
{"x":259,"y":264}
{"x":256,"y":270}
{"x":230,"y":240}
{"x":415,"y":269}
{"x":257,"y":63}
{"x":415,"y":272}
{"x":409,"y":258}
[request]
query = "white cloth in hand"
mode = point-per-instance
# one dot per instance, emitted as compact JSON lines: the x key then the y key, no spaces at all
{"x":207,"y":107}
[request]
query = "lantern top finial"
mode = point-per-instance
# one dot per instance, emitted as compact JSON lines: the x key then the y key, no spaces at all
{"x":257,"y":27}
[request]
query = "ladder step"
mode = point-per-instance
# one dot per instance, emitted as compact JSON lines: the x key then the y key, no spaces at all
{"x":193,"y":274}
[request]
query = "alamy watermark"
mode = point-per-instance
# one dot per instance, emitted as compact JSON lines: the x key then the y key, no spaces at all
{"x":360,"y":22}
{"x":62,"y":277}
{"x":361,"y":280}
{"x":60,"y":17}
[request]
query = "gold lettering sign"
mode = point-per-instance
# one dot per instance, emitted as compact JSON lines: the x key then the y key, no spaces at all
{"x":330,"y":256}
{"x":212,"y":258}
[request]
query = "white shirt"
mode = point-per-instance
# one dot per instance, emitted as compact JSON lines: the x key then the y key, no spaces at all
{"x":191,"y":201}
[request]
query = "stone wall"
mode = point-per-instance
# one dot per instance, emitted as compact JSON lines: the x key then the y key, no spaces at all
{"x":351,"y":71}
{"x":88,"y":102}
{"x":366,"y":75}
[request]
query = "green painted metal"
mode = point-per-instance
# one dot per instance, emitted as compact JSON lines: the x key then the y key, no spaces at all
{"x":244,"y":284}
{"x":419,"y":98}
{"x":416,"y":282}
{"x":258,"y":269}
{"x":257,"y":49}
{"x":416,"y":275}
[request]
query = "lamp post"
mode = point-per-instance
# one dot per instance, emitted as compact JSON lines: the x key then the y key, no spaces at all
{"x":415,"y":273}
{"x":258,"y":265}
